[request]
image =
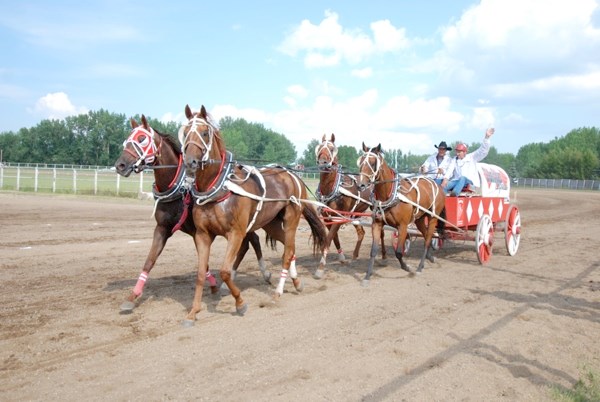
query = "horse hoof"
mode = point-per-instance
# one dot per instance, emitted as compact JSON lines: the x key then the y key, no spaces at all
{"x":365,"y":283}
{"x":407,"y":269}
{"x":319,"y":273}
{"x":187,"y":323}
{"x":127,"y":306}
{"x":241,"y":310}
{"x":299,"y":286}
{"x":214,"y":289}
{"x":267,"y":277}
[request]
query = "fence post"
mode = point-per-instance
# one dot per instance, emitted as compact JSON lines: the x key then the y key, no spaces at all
{"x":118,"y":182}
{"x":1,"y":176}
{"x":18,"y":178}
{"x":74,"y":181}
{"x":54,"y":180}
{"x":35,"y":179}
{"x":96,"y":182}
{"x":141,"y":182}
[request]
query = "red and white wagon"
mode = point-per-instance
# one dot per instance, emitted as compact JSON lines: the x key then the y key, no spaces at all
{"x":479,"y":216}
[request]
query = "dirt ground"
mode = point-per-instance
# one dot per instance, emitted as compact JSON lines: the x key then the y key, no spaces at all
{"x":507,"y":331}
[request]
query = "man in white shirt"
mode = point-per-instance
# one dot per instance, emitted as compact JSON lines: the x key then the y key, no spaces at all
{"x":436,"y":165}
{"x":462,"y":169}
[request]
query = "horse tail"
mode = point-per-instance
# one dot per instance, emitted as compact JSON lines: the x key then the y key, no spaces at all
{"x":270,"y":241}
{"x":317,"y":228}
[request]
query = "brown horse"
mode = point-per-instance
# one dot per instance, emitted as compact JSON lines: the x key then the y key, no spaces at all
{"x":340,"y":192}
{"x":399,"y":202}
{"x":146,"y":148}
{"x":232,"y":200}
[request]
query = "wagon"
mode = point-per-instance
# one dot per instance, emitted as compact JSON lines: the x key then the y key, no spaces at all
{"x":478,"y":217}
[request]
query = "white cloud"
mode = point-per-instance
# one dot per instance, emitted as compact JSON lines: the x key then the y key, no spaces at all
{"x":363,"y":72}
{"x":328,"y":43}
{"x":57,"y":105}
{"x":297,"y":91}
{"x":399,"y":123}
{"x":498,"y":40}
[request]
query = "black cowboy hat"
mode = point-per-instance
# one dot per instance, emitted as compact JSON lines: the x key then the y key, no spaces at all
{"x":443,"y":145}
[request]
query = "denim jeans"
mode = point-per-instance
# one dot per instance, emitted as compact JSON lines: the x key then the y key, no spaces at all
{"x":455,"y":186}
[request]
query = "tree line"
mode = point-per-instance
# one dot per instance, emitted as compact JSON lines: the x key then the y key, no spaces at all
{"x":96,"y":139}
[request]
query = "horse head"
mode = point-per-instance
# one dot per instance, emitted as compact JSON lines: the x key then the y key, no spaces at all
{"x":201,"y":141}
{"x":369,"y":165}
{"x":326,"y":152}
{"x":139,"y":149}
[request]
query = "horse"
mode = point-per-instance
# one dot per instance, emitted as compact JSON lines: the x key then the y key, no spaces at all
{"x":399,"y":202}
{"x":146,"y":148}
{"x":230,"y":201}
{"x":340,"y":193}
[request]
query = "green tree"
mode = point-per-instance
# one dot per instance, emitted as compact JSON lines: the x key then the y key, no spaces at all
{"x":308,"y":158}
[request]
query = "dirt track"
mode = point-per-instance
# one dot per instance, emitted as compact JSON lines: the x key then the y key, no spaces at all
{"x":460,"y":331}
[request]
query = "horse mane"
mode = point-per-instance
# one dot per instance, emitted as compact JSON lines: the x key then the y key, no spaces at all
{"x":171,"y":142}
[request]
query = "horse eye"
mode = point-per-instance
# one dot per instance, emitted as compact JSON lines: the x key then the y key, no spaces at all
{"x":143,"y":140}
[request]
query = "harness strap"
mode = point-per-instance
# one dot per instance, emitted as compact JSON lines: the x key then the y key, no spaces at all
{"x":186,"y":203}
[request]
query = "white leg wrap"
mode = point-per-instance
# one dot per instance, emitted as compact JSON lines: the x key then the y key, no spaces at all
{"x":293,"y":272}
{"x":282,"y":278}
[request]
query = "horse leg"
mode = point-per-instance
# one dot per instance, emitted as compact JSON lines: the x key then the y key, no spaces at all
{"x":334,"y":231}
{"x":376,"y":229}
{"x":234,"y":241}
{"x":399,"y":251}
{"x":360,"y":235}
{"x":331,"y":236}
{"x":161,"y":234}
{"x":290,"y":225}
{"x":427,"y":232}
{"x":383,"y":252}
{"x":255,"y":242}
{"x":203,"y":242}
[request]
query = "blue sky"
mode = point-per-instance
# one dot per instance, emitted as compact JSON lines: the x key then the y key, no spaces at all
{"x":402,"y":73}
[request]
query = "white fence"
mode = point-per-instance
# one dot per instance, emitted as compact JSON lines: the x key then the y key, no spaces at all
{"x":94,"y":180}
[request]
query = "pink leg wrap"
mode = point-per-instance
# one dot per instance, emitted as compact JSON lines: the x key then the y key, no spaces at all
{"x":211,"y":279}
{"x":139,"y":286}
{"x":340,"y":251}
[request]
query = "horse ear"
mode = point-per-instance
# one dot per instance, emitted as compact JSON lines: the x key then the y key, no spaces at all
{"x":378,"y":149}
{"x":365,"y":148}
{"x":134,"y":123}
{"x":324,"y":137}
{"x":144,"y":122}
{"x":203,"y":113}
{"x":332,"y":137}
{"x":188,"y":112}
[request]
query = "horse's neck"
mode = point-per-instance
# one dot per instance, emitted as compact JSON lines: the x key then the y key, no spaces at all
{"x":385,"y":182}
{"x":207,"y":177}
{"x":327,"y":181}
{"x":169,"y":164}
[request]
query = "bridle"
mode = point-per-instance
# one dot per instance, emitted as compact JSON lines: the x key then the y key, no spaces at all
{"x":332,"y":154}
{"x":144,"y":147}
{"x":195,"y":137}
{"x":363,"y":160}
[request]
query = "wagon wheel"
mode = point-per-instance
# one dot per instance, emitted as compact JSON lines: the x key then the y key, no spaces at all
{"x":484,"y":239}
{"x":512,"y":230}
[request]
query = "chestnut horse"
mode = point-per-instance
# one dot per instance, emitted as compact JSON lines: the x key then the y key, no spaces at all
{"x":339,"y":191}
{"x":232,"y":200}
{"x":146,"y":148}
{"x":399,"y":202}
